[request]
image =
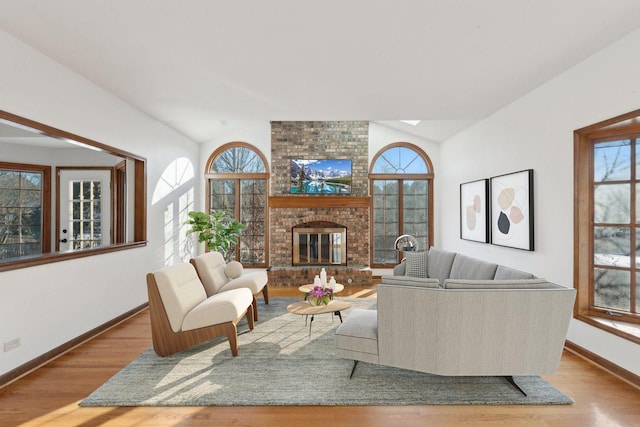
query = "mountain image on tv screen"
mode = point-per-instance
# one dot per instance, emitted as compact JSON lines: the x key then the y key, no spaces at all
{"x":321,"y":176}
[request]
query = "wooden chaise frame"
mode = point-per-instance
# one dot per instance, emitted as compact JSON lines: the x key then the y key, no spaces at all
{"x":167,"y":342}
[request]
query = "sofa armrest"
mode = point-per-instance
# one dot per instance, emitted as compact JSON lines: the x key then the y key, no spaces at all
{"x":400,"y":269}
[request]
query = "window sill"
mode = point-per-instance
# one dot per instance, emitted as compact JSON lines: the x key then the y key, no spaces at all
{"x":626,"y":330}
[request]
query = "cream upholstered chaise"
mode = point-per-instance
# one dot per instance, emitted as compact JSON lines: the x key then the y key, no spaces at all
{"x":218,"y":276}
{"x":182,"y":315}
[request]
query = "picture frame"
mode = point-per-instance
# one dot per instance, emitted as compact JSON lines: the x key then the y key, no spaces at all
{"x":474,"y":218}
{"x":512,"y":212}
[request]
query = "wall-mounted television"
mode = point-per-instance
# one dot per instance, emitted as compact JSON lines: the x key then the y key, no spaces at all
{"x":327,"y":176}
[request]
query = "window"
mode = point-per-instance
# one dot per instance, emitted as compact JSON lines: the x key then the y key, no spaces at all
{"x":401,"y":181}
{"x":607,"y":221}
{"x":237,"y":181}
{"x":24,"y":210}
{"x":86,"y":221}
{"x":38,"y":141}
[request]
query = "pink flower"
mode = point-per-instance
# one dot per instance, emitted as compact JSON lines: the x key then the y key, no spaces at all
{"x":319,"y":296}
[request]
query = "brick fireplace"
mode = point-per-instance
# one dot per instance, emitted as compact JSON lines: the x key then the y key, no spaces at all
{"x":319,"y":140}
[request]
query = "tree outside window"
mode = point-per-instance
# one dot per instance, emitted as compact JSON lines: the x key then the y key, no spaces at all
{"x":24,"y":229}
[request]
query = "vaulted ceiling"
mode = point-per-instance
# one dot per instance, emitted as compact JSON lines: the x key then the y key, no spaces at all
{"x":203,"y":65}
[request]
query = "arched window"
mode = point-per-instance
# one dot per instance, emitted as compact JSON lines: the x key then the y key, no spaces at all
{"x":237,"y":183}
{"x":401,"y":184}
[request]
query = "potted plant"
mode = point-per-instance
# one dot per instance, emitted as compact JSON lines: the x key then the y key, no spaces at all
{"x":217,"y":229}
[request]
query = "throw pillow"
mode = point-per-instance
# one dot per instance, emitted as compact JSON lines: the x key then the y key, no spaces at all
{"x":416,"y":264}
{"x":233,"y":269}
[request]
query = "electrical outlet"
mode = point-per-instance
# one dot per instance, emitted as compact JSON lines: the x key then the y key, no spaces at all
{"x":10,"y":345}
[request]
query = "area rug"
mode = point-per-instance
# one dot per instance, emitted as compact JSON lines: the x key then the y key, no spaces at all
{"x":279,"y":363}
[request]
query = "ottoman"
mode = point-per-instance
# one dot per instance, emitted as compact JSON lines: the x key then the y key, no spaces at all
{"x":357,"y":337}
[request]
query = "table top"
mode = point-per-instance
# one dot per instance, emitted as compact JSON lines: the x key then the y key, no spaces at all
{"x":304,"y":308}
{"x":307,"y":288}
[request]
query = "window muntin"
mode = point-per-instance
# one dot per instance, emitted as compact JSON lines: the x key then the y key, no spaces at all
{"x":615,"y":231}
{"x":238,"y":184}
{"x":239,"y":159}
{"x":400,"y":160}
{"x":385,"y":220}
{"x":253,"y":203}
{"x":612,"y":161}
{"x":23,"y":228}
{"x":401,"y":182}
{"x":415,"y":212}
{"x":607,"y":223}
{"x":86,"y":214}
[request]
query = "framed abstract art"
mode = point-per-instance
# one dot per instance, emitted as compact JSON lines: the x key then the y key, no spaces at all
{"x":512,"y":210}
{"x":474,"y":220}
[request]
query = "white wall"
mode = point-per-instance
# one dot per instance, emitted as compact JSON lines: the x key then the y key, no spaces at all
{"x":536,"y":132}
{"x":48,"y":305}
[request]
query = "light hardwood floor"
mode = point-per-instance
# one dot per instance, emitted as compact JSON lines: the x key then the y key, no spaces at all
{"x":49,"y":395}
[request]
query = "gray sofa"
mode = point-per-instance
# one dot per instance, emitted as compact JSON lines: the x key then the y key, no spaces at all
{"x":434,"y":267}
{"x":464,"y":317}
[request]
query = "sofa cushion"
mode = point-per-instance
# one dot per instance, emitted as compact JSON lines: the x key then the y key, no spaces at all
{"x":210,"y":268}
{"x":506,"y":273}
{"x":497,"y":284}
{"x":416,"y":264}
{"x":466,"y":267}
{"x":180,"y":291}
{"x":410,"y":281}
{"x":359,"y":332}
{"x":253,"y":280}
{"x":219,"y":308}
{"x":440,"y":263}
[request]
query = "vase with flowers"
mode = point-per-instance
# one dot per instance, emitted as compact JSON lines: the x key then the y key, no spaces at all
{"x":319,"y":295}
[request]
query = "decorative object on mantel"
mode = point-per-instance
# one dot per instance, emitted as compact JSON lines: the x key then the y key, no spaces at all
{"x":217,"y":230}
{"x":474,"y":218}
{"x":512,"y":210}
{"x":406,"y":243}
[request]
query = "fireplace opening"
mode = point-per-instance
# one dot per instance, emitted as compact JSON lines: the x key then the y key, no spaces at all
{"x":319,"y":246}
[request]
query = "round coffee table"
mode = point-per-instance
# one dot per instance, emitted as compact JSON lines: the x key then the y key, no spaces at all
{"x":303,"y":308}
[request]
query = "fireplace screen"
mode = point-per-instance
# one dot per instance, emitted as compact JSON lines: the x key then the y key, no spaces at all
{"x":319,"y":246}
